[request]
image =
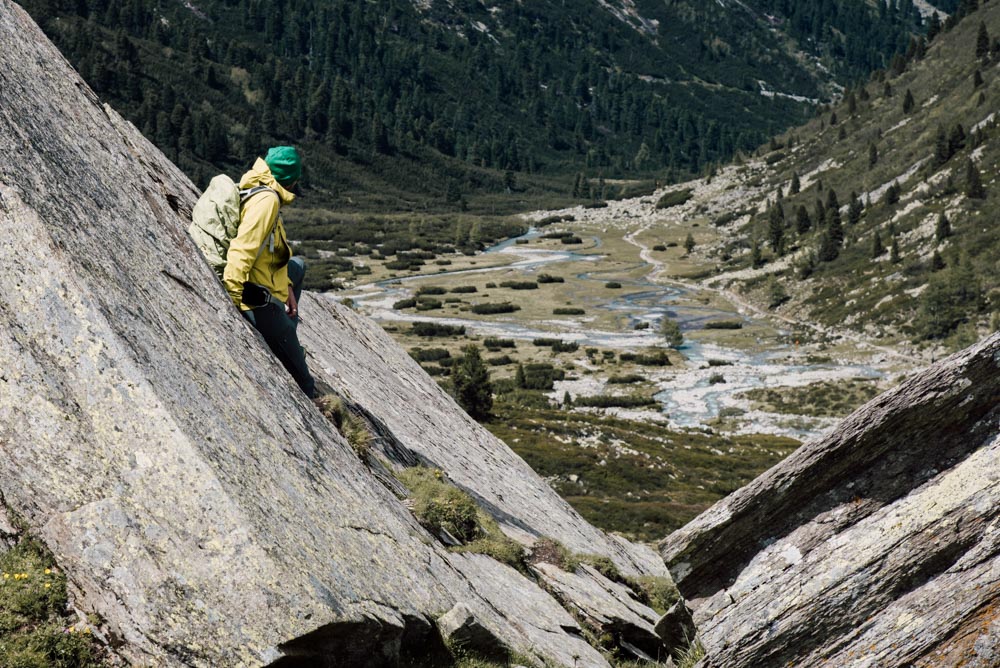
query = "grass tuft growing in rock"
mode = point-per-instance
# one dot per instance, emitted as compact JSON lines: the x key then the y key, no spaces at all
{"x":350,"y":426}
{"x":35,"y":630}
{"x":440,"y":506}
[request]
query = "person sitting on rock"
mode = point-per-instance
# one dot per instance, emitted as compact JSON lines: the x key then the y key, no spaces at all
{"x":261,"y":276}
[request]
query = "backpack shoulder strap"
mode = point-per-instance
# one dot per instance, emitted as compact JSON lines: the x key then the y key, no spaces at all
{"x":245,"y":195}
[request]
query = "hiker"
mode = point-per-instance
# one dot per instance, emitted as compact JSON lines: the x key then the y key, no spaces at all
{"x":261,"y":276}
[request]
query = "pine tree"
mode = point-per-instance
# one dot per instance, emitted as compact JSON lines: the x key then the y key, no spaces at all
{"x":802,"y":221}
{"x":671,"y":333}
{"x":520,"y":380}
{"x":470,"y":381}
{"x":854,"y":209}
{"x":894,"y":252}
{"x":796,"y":185}
{"x":756,"y":256}
{"x":776,"y":229}
{"x":941,"y":151}
{"x":689,"y":243}
{"x":977,"y":79}
{"x":908,"y":102}
{"x":872,"y":155}
{"x":943,"y":229}
{"x":982,"y":42}
{"x":877,"y":248}
{"x":892,"y":194}
{"x":973,"y":182}
{"x":937,"y":262}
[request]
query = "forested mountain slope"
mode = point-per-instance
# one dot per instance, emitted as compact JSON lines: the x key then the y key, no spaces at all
{"x":431,"y":95}
{"x":882,"y":209}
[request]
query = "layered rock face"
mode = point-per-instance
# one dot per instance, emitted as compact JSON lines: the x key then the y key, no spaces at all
{"x":878,"y":545}
{"x":196,"y":500}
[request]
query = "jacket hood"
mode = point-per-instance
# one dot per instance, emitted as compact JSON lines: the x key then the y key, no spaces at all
{"x":260,"y":175}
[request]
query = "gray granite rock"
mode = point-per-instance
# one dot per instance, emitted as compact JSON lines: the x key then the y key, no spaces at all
{"x":195,"y":499}
{"x":460,"y":628}
{"x":607,"y":608}
{"x":877,"y":545}
{"x":422,"y":423}
{"x":676,"y":628}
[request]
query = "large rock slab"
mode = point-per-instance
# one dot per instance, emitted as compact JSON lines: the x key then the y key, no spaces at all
{"x":877,"y":545}
{"x":607,"y":608}
{"x":196,"y":500}
{"x":358,"y":360}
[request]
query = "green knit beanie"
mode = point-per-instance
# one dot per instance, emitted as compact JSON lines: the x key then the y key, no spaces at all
{"x":285,"y":164}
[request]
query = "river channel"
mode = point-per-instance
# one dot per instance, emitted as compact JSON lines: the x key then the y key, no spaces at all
{"x":710,"y":385}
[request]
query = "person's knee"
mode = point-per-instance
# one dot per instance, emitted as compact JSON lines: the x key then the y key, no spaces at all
{"x":296,"y":270}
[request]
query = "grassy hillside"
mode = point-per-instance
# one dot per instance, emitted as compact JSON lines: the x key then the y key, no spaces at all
{"x":910,"y":160}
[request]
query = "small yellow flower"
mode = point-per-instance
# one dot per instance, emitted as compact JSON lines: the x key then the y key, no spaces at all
{"x":48,"y":571}
{"x":86,"y":630}
{"x":47,"y":585}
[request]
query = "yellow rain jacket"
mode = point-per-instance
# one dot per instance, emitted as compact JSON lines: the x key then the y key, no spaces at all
{"x":258,"y":216}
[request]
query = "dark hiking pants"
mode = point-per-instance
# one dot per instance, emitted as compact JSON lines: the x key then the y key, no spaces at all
{"x":279,"y":331}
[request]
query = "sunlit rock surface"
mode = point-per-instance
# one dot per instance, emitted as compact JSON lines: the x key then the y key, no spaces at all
{"x":877,"y":545}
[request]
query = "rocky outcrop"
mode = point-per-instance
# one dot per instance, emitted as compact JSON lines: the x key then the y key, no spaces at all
{"x":198,"y":503}
{"x":877,"y":545}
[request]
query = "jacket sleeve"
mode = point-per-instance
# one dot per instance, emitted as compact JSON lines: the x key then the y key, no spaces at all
{"x":256,"y":222}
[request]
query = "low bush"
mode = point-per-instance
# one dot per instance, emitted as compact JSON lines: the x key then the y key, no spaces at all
{"x":565,"y":347}
{"x":405,"y":303}
{"x":548,"y":278}
{"x":568,"y":311}
{"x":502,"y":360}
{"x":430,"y":290}
{"x":489,"y":309}
{"x":442,"y":263}
{"x":715,"y":362}
{"x":438,"y":505}
{"x":659,"y":247}
{"x":402,"y":265}
{"x":723,"y":324}
{"x":571,"y":240}
{"x":674,"y":198}
{"x":627,"y":379}
{"x":519,"y":285}
{"x":613,"y":285}
{"x":658,"y":358}
{"x":716,"y":378}
{"x":429,"y":354}
{"x":557,"y":235}
{"x":426,"y":304}
{"x":463,"y":289}
{"x":493,"y":343}
{"x":436,"y":329}
{"x":596,"y":205}
{"x":609,"y":401}
{"x":642,"y":325}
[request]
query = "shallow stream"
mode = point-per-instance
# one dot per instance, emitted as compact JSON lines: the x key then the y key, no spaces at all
{"x":693,"y":397}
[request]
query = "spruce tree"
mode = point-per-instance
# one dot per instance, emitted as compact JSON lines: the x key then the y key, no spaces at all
{"x":470,"y":381}
{"x":872,"y":155}
{"x":776,"y":229}
{"x":982,"y":42}
{"x":671,"y":333}
{"x":908,"y":102}
{"x":943,"y":229}
{"x":937,"y":262}
{"x":877,"y":248}
{"x":854,"y":209}
{"x":796,"y":185}
{"x":894,"y":252}
{"x":802,"y":221}
{"x":973,"y":182}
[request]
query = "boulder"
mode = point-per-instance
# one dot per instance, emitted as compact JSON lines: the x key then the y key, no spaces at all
{"x":460,"y":629}
{"x":877,"y":545}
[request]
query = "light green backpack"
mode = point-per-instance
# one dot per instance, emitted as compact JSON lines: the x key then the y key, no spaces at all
{"x":215,"y":220}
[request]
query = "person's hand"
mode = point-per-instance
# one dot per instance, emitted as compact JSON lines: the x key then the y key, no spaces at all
{"x":291,"y":306}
